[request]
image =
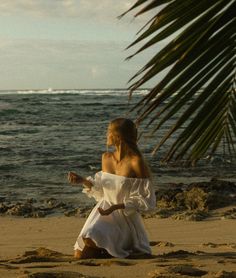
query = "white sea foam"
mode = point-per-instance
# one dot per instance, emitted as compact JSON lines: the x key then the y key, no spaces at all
{"x":111,"y":92}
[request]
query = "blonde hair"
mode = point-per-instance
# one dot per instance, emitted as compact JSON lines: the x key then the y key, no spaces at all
{"x":126,"y":130}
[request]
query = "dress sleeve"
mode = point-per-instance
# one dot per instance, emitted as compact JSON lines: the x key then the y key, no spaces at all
{"x":96,"y":190}
{"x":141,"y":197}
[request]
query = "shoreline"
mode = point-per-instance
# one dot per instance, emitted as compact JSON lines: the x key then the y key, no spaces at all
{"x":195,"y":200}
{"x":64,"y":192}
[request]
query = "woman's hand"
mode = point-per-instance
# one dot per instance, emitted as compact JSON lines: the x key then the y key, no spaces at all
{"x":106,"y":211}
{"x":73,"y":178}
{"x":111,"y":209}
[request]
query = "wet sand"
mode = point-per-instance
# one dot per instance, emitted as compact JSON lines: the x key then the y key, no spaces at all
{"x":43,"y":248}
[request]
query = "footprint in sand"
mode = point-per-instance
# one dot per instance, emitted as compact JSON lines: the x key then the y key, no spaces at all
{"x":57,"y":274}
{"x":7,"y":266}
{"x":178,"y":254}
{"x":186,"y":270}
{"x":41,"y":255}
{"x":41,"y":266}
{"x":177,"y":271}
{"x":221,"y":274}
{"x":166,"y":258}
{"x":161,"y":243}
{"x":218,"y":245}
{"x":109,"y":262}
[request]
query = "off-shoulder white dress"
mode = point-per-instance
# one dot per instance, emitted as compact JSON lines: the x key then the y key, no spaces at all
{"x":122,"y":232}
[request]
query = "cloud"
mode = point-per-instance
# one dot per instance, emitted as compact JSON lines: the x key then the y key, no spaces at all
{"x":97,"y":71}
{"x":94,"y":9}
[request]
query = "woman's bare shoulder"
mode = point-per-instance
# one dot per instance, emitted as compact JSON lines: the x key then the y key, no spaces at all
{"x":137,"y":158}
{"x":139,"y":166}
{"x":107,"y":155}
{"x":107,"y":161}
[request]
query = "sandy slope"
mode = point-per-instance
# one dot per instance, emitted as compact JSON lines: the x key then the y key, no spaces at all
{"x":209,"y":246}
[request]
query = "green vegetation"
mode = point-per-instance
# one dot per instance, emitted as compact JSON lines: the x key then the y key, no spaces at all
{"x":200,"y":59}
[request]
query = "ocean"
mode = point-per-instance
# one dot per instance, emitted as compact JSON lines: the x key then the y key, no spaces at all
{"x":46,"y":133}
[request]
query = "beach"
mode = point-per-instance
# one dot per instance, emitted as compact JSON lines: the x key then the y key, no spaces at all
{"x":44,"y":247}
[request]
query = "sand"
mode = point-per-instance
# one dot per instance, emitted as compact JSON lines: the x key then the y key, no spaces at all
{"x":43,"y":248}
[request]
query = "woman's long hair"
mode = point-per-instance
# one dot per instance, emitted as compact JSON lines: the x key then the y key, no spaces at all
{"x":126,"y":131}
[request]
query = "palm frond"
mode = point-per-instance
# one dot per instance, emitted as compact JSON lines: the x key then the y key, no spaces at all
{"x":200,"y":84}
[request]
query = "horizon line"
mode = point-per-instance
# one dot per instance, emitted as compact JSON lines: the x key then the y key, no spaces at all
{"x":67,"y":89}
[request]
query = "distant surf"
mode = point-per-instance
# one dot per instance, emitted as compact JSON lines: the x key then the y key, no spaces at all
{"x":75,"y":91}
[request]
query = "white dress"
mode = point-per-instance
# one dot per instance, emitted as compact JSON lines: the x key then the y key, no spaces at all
{"x":122,"y":232}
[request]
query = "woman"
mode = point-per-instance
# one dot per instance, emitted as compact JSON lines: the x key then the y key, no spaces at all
{"x":122,"y":189}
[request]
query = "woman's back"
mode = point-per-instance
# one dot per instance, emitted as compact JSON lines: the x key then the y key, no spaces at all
{"x":132,"y":166}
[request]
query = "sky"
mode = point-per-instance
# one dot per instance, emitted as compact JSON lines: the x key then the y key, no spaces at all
{"x":68,"y":44}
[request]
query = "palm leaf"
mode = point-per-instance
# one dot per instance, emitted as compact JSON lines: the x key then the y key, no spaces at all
{"x":201,"y":57}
